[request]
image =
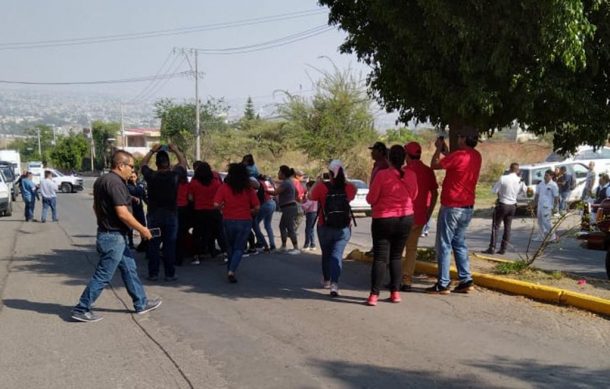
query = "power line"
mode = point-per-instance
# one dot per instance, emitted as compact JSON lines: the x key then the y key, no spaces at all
{"x":157,"y":33}
{"x":119,"y":81}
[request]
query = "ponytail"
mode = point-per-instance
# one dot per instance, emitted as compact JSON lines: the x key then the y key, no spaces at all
{"x":397,"y":158}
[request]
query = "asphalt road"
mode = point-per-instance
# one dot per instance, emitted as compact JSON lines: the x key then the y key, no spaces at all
{"x":276,"y":328}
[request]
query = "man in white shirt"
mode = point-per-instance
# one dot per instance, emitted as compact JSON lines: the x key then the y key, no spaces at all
{"x":48,"y":190}
{"x":547,"y":199}
{"x":507,"y":188}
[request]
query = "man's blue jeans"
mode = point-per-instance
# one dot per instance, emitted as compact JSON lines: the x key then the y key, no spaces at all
{"x":29,"y":205}
{"x":114,"y":253}
{"x":265,"y":214}
{"x":451,"y":236}
{"x":236,"y":232}
{"x":563,"y":200}
{"x":167,"y":221}
{"x":332,"y":243}
{"x":49,"y":202}
{"x":310,"y":219}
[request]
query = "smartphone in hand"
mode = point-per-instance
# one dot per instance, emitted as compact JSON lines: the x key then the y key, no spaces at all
{"x":155,"y":232}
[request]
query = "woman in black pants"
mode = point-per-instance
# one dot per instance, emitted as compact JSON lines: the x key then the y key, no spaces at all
{"x":391,"y":197}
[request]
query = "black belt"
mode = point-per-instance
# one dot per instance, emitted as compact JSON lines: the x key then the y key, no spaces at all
{"x":509,"y":205}
{"x":287,"y":205}
{"x":467,"y":207}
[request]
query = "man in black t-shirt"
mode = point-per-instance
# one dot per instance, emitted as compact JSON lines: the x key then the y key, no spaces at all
{"x":162,"y":186}
{"x":112,"y":207}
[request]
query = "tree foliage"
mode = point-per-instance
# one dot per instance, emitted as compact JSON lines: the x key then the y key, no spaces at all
{"x":69,"y":152}
{"x":28,"y":147}
{"x":249,"y":113}
{"x":104,"y":135}
{"x":334,"y":121}
{"x":486,"y":63}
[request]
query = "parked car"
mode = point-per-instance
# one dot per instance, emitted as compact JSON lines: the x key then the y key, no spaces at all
{"x":532,"y":174}
{"x":597,"y":237}
{"x":11,"y":178}
{"x":66,"y":184}
{"x":359,"y":203}
{"x":584,"y":155}
{"x":6,"y":202}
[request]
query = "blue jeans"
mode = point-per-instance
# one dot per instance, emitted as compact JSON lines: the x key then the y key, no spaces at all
{"x":167,"y":221}
{"x":310,"y":218}
{"x":265,"y":214}
{"x":332,"y":243}
{"x":114,"y":253}
{"x":451,"y":235}
{"x":49,"y":202}
{"x":563,"y":200}
{"x":237,"y":232}
{"x":29,"y":208}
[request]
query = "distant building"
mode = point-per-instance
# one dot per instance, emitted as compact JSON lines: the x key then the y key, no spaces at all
{"x":139,"y":140}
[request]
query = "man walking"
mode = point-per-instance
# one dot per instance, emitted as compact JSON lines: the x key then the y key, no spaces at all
{"x":48,"y":190}
{"x":112,"y":206}
{"x":423,"y":205}
{"x":29,"y":193}
{"x":507,"y":188}
{"x":162,"y":187}
{"x":546,"y":200}
{"x":462,"y":168}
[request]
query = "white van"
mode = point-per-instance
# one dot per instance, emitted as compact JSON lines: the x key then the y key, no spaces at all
{"x":37,"y":170}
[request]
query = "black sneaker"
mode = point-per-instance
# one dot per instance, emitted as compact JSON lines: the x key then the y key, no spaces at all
{"x":151,"y":305}
{"x":488,"y":251}
{"x":502,"y":251}
{"x":464,"y":287}
{"x":438,"y":289}
{"x":232,"y":279}
{"x":405,"y":288}
{"x":88,"y":317}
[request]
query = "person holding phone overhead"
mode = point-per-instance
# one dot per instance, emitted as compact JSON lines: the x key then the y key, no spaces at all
{"x":112,"y":207}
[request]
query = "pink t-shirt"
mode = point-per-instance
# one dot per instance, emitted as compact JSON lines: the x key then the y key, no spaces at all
{"x":462,"y":173}
{"x":236,"y":206}
{"x":392,"y":196}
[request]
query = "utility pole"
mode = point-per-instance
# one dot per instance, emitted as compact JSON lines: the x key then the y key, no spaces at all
{"x":39,"y":147}
{"x":195,"y":70}
{"x":92,"y":144}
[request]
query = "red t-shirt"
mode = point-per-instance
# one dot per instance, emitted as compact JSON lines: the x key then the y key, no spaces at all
{"x":236,"y":206}
{"x":319,"y":192}
{"x":299,"y":190}
{"x":426,"y":184}
{"x":392,"y":196}
{"x":203,"y":195}
{"x":462,"y":173}
{"x":182,"y":196}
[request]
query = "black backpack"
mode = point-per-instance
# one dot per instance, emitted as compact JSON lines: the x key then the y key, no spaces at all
{"x":337,"y":211}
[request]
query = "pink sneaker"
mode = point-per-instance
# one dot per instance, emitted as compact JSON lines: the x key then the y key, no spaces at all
{"x":372,"y":300}
{"x":395,"y":297}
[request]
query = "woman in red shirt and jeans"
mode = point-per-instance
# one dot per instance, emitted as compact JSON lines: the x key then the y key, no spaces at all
{"x":332,"y":239}
{"x":238,"y":202}
{"x":391,"y":197}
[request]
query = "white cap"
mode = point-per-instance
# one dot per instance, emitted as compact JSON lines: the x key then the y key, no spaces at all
{"x":335,"y":166}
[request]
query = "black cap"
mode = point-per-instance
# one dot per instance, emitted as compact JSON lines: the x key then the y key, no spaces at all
{"x":379,"y":146}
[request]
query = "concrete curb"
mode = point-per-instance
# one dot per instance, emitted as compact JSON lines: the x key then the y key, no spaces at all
{"x":522,"y":288}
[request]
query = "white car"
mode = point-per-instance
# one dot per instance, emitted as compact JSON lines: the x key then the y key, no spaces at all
{"x":359,"y":203}
{"x":66,"y":184}
{"x":584,"y":155}
{"x":532,"y":174}
{"x":6,"y":203}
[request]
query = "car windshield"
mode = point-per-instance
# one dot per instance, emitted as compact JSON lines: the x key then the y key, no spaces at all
{"x":8,"y":172}
{"x":58,"y":174}
{"x":359,"y":184}
{"x":554,"y":157}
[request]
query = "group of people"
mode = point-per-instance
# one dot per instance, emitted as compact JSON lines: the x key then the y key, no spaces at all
{"x":227,"y":214}
{"x":30,"y":192}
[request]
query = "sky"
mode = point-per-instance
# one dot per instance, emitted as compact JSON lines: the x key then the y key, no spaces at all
{"x":258,"y":74}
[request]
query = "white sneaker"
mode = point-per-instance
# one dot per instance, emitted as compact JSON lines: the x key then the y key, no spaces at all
{"x":334,"y":289}
{"x":326,"y":284}
{"x":293,"y":252}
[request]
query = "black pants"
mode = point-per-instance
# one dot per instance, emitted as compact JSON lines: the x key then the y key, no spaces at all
{"x":503,"y":213}
{"x":208,"y":229}
{"x":184,"y":223}
{"x":389,"y":239}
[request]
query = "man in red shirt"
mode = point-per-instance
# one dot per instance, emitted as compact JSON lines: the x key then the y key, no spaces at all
{"x":462,"y":168}
{"x":423,"y":205}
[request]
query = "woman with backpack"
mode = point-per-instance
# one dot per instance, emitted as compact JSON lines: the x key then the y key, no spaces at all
{"x":334,"y":222}
{"x":289,"y":207}
{"x":238,"y":203}
{"x":391,"y":197}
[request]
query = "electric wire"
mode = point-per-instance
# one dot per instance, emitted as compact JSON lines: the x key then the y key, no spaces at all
{"x":119,"y":81}
{"x":171,"y":68}
{"x":159,"y":86}
{"x":161,"y":70}
{"x":157,"y":33}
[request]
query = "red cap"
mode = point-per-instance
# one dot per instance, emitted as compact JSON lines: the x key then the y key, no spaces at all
{"x":413,"y":149}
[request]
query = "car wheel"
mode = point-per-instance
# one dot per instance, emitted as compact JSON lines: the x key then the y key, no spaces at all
{"x":608,"y":263}
{"x":66,"y":187}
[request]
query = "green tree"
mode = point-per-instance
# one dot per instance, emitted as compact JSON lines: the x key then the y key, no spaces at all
{"x":249,"y":113}
{"x":70,"y":151}
{"x":28,"y":147}
{"x":481,"y":64}
{"x":400,"y":135}
{"x":335,"y":120}
{"x":104,"y":134}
